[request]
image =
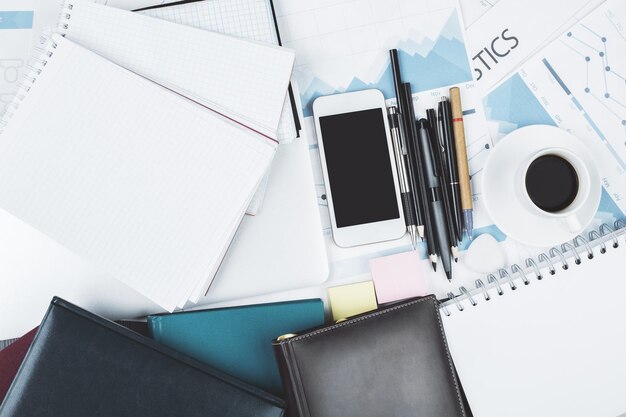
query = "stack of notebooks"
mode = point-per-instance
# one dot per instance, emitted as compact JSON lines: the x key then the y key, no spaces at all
{"x":222,"y":362}
{"x":82,"y":365}
{"x":139,"y":143}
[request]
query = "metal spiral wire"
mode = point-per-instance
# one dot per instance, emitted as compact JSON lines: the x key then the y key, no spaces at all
{"x":35,"y":67}
{"x":596,"y":239}
{"x":64,"y":21}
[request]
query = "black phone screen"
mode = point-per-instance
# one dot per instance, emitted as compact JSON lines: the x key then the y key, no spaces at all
{"x":359,"y":168}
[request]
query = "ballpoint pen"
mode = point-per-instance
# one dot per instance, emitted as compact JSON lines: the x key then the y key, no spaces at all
{"x":462,"y":162}
{"x":405,"y":189}
{"x":432,"y":177}
{"x":440,"y":159}
{"x":452,"y":177}
{"x":431,"y":241}
{"x":406,"y":123}
{"x":421,"y":191}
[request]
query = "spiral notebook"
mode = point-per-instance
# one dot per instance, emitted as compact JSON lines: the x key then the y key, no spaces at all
{"x":244,"y":80}
{"x":546,"y":338}
{"x":145,"y":185}
{"x":245,"y":19}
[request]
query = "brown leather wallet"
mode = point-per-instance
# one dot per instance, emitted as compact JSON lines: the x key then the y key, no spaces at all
{"x":391,"y":362}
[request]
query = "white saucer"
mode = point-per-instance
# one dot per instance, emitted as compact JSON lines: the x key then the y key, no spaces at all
{"x":501,"y":202}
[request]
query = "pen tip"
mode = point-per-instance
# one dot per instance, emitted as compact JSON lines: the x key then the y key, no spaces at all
{"x":455,"y":253}
{"x":449,"y":275}
{"x":434,"y":266}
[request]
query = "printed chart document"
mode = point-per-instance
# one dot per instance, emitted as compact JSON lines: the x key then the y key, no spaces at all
{"x":16,"y":21}
{"x":578,"y":84}
{"x":511,"y":31}
{"x":345,"y":47}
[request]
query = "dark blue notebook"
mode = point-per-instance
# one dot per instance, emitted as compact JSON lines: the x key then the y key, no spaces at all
{"x":82,"y":365}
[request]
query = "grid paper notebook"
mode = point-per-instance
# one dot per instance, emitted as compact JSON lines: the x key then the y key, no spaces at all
{"x":246,"y":19}
{"x":144,"y":184}
{"x":243,"y":80}
{"x":555,"y":346}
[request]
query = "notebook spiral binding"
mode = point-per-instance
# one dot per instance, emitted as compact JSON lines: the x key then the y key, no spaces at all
{"x":36,"y":63}
{"x":64,"y":18}
{"x":503,"y":278}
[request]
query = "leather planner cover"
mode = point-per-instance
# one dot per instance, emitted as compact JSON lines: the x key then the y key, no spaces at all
{"x":392,"y":362}
{"x":237,"y":340}
{"x":82,"y":365}
{"x":11,"y":358}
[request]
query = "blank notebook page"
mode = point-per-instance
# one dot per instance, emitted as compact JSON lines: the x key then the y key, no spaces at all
{"x":244,"y":80}
{"x":555,"y":347}
{"x":139,"y":181}
{"x":246,"y":19}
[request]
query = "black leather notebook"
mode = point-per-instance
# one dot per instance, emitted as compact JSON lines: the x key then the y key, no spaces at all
{"x":82,"y":365}
{"x":392,"y":362}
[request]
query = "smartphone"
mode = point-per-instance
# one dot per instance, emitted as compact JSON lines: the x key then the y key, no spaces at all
{"x":356,"y":154}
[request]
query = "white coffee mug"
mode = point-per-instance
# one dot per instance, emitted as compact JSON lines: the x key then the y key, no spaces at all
{"x":570,"y":215}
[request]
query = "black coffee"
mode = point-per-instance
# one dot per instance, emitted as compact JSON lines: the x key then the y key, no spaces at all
{"x":552,"y":183}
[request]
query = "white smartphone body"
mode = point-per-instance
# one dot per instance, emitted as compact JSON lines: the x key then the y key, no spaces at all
{"x":358,"y":163}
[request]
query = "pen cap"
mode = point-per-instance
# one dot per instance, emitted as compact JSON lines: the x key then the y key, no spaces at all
{"x":394,"y":117}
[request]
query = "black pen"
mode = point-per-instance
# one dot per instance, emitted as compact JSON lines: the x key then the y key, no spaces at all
{"x":441,"y":161}
{"x":421,"y":191}
{"x":405,"y":189}
{"x":432,"y":245}
{"x":404,"y":118}
{"x":432,"y":176}
{"x":447,"y":139}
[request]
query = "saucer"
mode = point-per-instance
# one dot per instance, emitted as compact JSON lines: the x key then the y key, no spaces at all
{"x":501,"y":202}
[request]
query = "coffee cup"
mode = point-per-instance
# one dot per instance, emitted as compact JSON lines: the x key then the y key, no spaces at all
{"x":555,"y":183}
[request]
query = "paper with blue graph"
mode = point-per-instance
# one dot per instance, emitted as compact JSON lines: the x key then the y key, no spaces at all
{"x":578,"y":83}
{"x":345,"y":46}
{"x":16,"y":21}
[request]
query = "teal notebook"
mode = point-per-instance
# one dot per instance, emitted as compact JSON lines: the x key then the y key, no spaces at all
{"x":237,"y":340}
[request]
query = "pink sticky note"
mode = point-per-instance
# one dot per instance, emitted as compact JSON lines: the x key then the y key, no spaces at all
{"x":398,"y":277}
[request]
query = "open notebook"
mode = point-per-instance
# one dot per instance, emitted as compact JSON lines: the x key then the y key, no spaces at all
{"x":144,"y":184}
{"x":244,"y":80}
{"x":246,"y":19}
{"x":547,"y":337}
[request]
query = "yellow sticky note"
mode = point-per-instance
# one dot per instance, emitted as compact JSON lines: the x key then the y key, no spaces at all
{"x":350,"y":300}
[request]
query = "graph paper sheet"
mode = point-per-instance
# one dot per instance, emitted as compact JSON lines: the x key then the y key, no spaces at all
{"x":244,"y":80}
{"x":246,"y":19}
{"x":144,"y":184}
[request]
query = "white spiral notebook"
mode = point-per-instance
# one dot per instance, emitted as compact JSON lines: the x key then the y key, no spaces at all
{"x":546,"y":338}
{"x":144,"y":184}
{"x":245,"y":19}
{"x":244,"y":80}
